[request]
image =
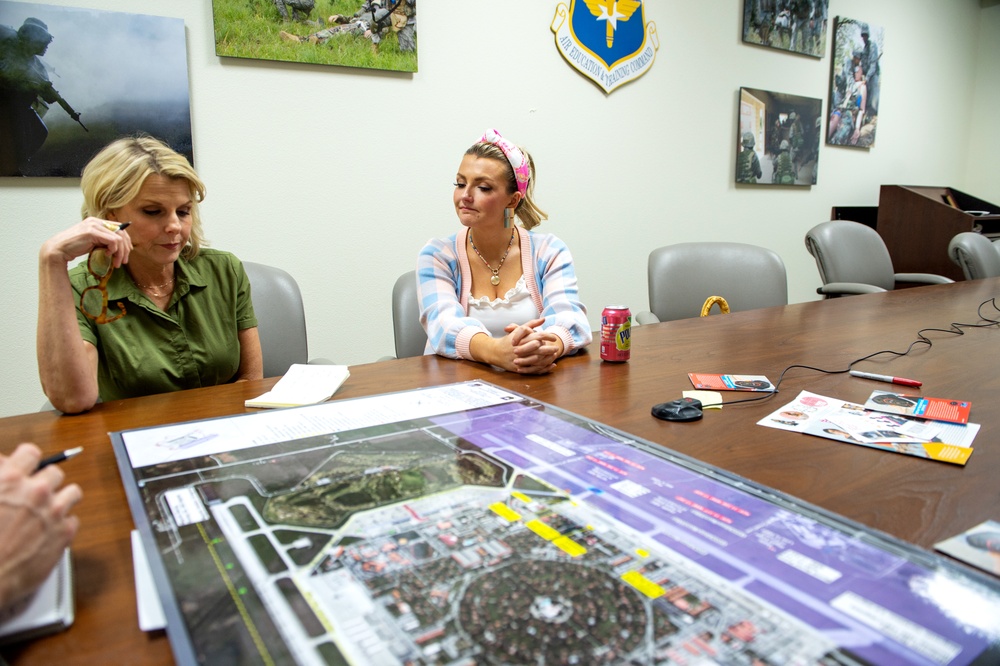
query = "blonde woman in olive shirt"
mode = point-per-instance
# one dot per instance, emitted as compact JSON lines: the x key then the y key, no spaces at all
{"x":188,"y":319}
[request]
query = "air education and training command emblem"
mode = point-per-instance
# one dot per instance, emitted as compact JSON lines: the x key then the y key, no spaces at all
{"x":608,"y":41}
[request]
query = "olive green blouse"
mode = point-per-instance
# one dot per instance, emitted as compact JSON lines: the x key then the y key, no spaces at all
{"x":192,"y":344}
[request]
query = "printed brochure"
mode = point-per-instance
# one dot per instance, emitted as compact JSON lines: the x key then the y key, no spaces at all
{"x":710,"y":382}
{"x":937,"y":409}
{"x":978,"y":546}
{"x":842,"y":421}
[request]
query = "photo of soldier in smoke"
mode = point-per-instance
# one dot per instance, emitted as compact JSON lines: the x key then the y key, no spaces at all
{"x":855,"y":84}
{"x":791,"y":25}
{"x":779,"y":138}
{"x":374,"y":20}
{"x":25,"y":94}
{"x":73,"y":79}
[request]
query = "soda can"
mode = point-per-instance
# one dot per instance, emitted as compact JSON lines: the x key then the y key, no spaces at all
{"x":616,"y":333}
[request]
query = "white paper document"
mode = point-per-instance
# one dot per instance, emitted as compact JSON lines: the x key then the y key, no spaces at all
{"x":303,"y":385}
{"x":179,"y":441}
{"x":147,"y":599}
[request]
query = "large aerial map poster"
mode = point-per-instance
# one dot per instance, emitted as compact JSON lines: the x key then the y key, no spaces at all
{"x":464,"y":524}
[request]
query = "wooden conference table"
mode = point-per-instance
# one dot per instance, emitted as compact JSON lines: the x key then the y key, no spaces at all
{"x":917,"y":500}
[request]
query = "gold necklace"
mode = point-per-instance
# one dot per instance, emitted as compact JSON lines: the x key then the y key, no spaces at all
{"x":495,"y":280}
{"x":154,"y":289}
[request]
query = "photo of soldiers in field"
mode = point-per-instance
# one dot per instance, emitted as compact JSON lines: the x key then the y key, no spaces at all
{"x":854,"y":83}
{"x":791,"y":25}
{"x":72,"y":80}
{"x":777,"y":138}
{"x":377,"y":34}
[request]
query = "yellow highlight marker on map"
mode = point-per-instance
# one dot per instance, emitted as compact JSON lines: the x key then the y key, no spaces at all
{"x":505,"y":512}
{"x":521,"y":496}
{"x":643,"y":584}
{"x":570,"y":547}
{"x":542,"y":530}
{"x":641,"y":552}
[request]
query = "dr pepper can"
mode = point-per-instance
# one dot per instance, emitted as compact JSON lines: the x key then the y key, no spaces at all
{"x":616,"y":333}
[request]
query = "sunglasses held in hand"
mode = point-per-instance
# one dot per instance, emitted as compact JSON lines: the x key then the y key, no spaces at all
{"x":94,"y":300}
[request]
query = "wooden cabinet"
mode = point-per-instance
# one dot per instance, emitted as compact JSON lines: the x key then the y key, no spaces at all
{"x":917,"y":223}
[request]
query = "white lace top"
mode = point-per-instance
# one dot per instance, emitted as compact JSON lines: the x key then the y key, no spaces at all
{"x":515,"y":307}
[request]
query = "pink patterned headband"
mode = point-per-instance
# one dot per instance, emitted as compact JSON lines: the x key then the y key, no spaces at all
{"x":522,"y":170}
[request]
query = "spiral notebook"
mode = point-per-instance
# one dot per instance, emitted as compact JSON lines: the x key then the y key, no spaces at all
{"x":47,"y":611}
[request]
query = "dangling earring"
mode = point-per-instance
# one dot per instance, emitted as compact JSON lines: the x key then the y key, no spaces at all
{"x":506,"y":218}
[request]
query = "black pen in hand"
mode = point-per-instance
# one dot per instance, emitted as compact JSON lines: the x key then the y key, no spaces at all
{"x":58,"y":458}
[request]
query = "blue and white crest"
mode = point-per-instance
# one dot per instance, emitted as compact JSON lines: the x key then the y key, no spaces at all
{"x":608,"y":41}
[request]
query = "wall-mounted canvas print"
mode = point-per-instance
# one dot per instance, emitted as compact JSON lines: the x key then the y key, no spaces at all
{"x":790,"y":25}
{"x":375,"y":34}
{"x":73,"y":80}
{"x":855,"y":83}
{"x":778,"y":138}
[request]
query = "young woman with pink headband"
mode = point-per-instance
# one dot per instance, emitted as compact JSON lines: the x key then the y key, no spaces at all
{"x":495,"y":292}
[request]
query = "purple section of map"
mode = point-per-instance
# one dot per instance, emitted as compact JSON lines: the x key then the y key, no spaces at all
{"x":793,"y":607}
{"x":742,"y":533}
{"x":720,"y":568}
{"x":627,"y":517}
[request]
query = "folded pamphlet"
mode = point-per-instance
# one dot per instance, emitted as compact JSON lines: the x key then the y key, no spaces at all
{"x":710,"y":382}
{"x":850,"y":423}
{"x":936,"y":409}
{"x":978,"y":546}
{"x":303,"y":385}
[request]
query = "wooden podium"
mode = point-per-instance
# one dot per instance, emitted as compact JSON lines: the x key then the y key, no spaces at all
{"x":917,"y":223}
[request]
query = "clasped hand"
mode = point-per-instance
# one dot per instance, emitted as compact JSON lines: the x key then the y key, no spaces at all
{"x":533,"y":352}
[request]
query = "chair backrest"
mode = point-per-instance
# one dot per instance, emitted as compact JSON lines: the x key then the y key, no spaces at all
{"x":281,"y":318}
{"x":409,"y":335}
{"x":975,"y":255}
{"x":683,"y":276}
{"x":850,"y":252}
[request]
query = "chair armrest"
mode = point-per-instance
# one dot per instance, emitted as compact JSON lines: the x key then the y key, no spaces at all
{"x":321,"y":361}
{"x":847,"y":288}
{"x":922,"y":278}
{"x":645,"y":318}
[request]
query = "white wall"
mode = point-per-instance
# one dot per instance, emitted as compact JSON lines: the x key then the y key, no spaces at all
{"x":982,"y":176}
{"x":340,"y":175}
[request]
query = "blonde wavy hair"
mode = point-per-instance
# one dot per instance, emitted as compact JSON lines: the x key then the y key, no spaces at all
{"x":527,"y":210}
{"x":115,"y":175}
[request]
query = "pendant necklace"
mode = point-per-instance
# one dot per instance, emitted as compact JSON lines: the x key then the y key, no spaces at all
{"x":495,"y":280}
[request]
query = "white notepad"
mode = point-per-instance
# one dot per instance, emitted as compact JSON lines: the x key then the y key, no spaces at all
{"x":303,"y":385}
{"x":147,"y":599}
{"x":47,"y":611}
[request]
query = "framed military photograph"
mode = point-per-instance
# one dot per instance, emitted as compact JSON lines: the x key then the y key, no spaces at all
{"x":374,"y":34}
{"x":798,"y":26}
{"x":855,"y":80}
{"x":72,"y":80}
{"x":777,"y":138}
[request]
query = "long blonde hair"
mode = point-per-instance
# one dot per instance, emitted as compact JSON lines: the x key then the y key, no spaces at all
{"x":527,"y":210}
{"x":115,"y":175}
